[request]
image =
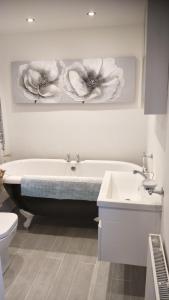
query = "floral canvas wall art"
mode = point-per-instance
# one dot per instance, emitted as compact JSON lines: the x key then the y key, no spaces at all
{"x":96,"y":80}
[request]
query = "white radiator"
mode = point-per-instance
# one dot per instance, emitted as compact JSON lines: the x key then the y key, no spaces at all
{"x":157,"y":280}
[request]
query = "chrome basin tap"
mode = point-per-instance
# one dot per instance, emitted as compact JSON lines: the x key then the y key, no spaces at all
{"x":145,"y":172}
{"x":149,"y":183}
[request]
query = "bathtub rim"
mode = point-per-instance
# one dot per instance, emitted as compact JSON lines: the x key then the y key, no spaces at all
{"x":16,"y":179}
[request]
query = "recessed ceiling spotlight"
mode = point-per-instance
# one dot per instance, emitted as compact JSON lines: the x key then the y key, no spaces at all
{"x":30,"y":20}
{"x":91,"y":13}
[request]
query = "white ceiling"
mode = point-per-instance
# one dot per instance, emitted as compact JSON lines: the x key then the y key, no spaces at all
{"x":57,"y":14}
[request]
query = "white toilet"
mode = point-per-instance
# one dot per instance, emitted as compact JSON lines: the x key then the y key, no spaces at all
{"x":8,"y":226}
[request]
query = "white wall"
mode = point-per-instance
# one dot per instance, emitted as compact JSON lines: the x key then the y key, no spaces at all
{"x":158,"y":144}
{"x":95,"y":131}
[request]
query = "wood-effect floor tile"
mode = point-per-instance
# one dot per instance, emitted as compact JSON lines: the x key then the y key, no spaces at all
{"x":59,"y":262}
{"x":63,"y":279}
{"x":119,"y":290}
{"x":79,"y":289}
{"x":99,"y":281}
{"x":44,"y":279}
{"x":31,"y":263}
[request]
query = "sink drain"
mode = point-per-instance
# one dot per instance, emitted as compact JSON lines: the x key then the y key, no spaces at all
{"x":127,"y":199}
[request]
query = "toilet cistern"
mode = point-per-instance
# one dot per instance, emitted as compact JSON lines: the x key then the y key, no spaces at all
{"x":8,"y":226}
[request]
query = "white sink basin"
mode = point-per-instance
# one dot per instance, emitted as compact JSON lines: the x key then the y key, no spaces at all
{"x":124,"y":190}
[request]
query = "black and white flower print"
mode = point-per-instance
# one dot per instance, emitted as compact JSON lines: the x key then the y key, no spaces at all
{"x":39,"y":80}
{"x":89,"y":80}
{"x":93,"y":80}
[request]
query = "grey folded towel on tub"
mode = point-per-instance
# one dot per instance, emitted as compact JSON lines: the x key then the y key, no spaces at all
{"x":61,"y":188}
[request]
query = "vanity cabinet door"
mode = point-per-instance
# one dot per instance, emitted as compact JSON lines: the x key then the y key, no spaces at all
{"x":123,"y":235}
{"x":157,"y":57}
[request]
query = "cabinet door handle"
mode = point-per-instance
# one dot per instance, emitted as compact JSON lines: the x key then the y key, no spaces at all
{"x":100,"y":224}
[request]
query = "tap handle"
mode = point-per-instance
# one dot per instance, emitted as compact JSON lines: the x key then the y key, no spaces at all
{"x":68,"y":157}
{"x":77,"y":157}
{"x":145,"y":169}
{"x":145,"y":157}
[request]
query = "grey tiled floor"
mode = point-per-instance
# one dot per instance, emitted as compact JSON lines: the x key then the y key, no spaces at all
{"x":56,"y":262}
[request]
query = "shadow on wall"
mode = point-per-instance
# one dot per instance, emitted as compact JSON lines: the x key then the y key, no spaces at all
{"x":70,"y":107}
{"x":161,"y":130}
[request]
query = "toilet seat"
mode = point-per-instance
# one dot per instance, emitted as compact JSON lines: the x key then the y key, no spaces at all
{"x":8,"y":221}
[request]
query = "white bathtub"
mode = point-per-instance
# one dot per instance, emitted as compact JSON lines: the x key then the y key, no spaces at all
{"x":15,"y":170}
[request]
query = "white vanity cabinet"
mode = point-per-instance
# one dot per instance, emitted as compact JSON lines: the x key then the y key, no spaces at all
{"x":127,"y":215}
{"x":123,"y":234}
